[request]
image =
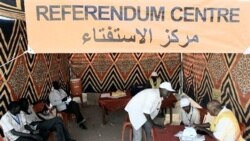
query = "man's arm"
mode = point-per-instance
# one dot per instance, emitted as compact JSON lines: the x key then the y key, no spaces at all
{"x":21,"y":134}
{"x":210,"y":133}
{"x":152,"y":122}
{"x":204,"y":125}
{"x":55,"y":99}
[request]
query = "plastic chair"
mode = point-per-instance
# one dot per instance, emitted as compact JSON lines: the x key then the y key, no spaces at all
{"x":65,"y":117}
{"x":76,"y":89}
{"x":127,"y":124}
{"x":242,"y":128}
{"x":202,"y":112}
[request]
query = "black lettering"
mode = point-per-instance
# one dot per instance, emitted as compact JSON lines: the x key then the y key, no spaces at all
{"x":41,"y":11}
{"x":173,"y":14}
{"x":234,"y":13}
{"x":53,"y":11}
{"x":145,"y":18}
{"x":64,"y":12}
{"x":201,"y":15}
{"x":88,"y":11}
{"x":129,"y":17}
{"x":211,"y":10}
{"x":119,"y":14}
{"x":102,"y":12}
{"x":158,"y":16}
{"x":222,"y":12}
{"x":77,"y":10}
{"x":188,"y":14}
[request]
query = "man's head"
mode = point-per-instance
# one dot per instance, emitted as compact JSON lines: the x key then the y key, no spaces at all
{"x":154,"y":75}
{"x":185,"y":104}
{"x":24,"y":104}
{"x":214,"y":107}
{"x":14,"y":108}
{"x":165,"y":89}
{"x":56,"y":85}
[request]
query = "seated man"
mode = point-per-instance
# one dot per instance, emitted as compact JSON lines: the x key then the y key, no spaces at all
{"x":44,"y":126}
{"x":224,"y":126}
{"x":58,"y":97}
{"x":154,"y":81}
{"x":15,"y":127}
{"x":189,"y":114}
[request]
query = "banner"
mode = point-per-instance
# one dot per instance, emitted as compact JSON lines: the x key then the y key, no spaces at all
{"x":100,"y":26}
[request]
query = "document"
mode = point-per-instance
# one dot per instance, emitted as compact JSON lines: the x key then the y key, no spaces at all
{"x":103,"y":95}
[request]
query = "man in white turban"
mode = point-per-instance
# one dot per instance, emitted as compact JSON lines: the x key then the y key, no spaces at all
{"x":154,"y":81}
{"x":189,"y":114}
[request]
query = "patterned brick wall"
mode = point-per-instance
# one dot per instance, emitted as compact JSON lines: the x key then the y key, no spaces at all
{"x":111,"y":71}
{"x":224,"y":76}
{"x":27,"y":76}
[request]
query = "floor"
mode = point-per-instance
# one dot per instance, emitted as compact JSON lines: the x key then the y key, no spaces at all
{"x":96,"y":130}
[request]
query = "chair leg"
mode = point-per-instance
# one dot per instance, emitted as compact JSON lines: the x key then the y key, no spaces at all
{"x":171,"y":114}
{"x":123,"y":132}
{"x":81,"y":100}
{"x":65,"y":118}
{"x":131,"y":134}
{"x":125,"y":126}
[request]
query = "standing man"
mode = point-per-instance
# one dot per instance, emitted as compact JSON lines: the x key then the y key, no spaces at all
{"x":58,"y":97}
{"x":224,"y":127}
{"x":144,"y":107}
{"x":154,"y":81}
{"x":189,"y":114}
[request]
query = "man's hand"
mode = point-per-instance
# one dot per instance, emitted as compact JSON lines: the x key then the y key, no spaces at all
{"x":68,"y":100}
{"x":65,"y":99}
{"x":35,"y":132}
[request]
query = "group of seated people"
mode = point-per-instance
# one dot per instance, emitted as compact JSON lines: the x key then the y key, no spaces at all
{"x":144,"y":106}
{"x":223,"y":127}
{"x":22,"y":123}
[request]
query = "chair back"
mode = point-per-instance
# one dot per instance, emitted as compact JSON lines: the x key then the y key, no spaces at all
{"x":38,"y":107}
{"x":1,"y":135}
{"x":203,"y":112}
{"x":242,"y":128}
{"x":75,"y":87}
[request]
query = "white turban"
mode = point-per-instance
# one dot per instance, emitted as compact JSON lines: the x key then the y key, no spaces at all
{"x":166,"y":85}
{"x":184,"y":102}
{"x":154,"y":74}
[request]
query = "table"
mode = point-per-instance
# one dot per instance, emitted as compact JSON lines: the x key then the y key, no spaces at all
{"x":167,"y":134}
{"x":112,"y":104}
{"x":169,"y":102}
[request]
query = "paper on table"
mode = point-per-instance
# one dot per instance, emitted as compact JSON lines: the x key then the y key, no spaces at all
{"x":200,"y":137}
{"x":197,"y":138}
{"x":179,"y":134}
{"x":103,"y":95}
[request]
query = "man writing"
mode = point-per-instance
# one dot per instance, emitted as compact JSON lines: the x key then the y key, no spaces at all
{"x":15,"y":126}
{"x":189,"y":114}
{"x":144,"y":107}
{"x":224,"y":127}
{"x":44,"y":126}
{"x":58,"y":97}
